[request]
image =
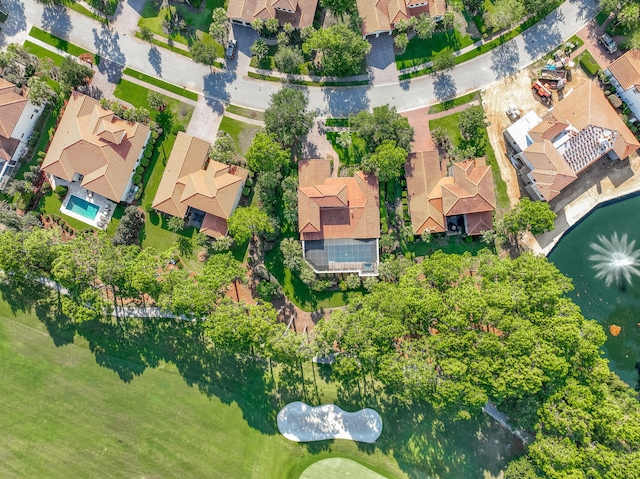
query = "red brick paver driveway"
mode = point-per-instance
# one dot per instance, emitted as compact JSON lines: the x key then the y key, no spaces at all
{"x":589,"y":34}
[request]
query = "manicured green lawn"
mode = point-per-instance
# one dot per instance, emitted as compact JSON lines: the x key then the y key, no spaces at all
{"x":60,"y":44}
{"x":449,"y":104}
{"x":422,"y":51}
{"x":300,"y":293}
{"x":447,"y":244}
{"x":50,"y":204}
{"x":175,"y":118}
{"x":161,"y":84}
{"x":601,"y":17}
{"x":246,"y":112}
{"x":42,"y":52}
{"x":339,"y":467}
{"x":196,"y":19}
{"x":353,"y":154}
{"x":450,"y":123}
{"x":588,"y":63}
{"x":242,"y":133}
{"x":151,"y":399}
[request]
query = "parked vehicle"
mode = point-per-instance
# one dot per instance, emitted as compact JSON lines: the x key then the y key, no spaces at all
{"x":608,"y":43}
{"x":232,"y":47}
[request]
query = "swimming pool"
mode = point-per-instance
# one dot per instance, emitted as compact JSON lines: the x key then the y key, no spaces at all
{"x":82,"y":207}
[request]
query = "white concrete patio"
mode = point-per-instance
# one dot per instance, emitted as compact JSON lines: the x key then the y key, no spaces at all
{"x":105,"y":206}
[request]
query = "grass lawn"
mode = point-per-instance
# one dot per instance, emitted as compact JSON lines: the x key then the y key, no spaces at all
{"x":422,"y":51}
{"x":352,"y":155}
{"x":298,"y":292}
{"x":175,"y":118}
{"x":246,"y":112}
{"x":447,"y":244}
{"x":60,"y":44}
{"x":50,"y":204}
{"x":152,"y":399}
{"x":161,"y":84}
{"x":42,"y":52}
{"x":461,"y":100}
{"x":601,"y":17}
{"x":339,"y":467}
{"x":337,"y":122}
{"x":450,"y":124}
{"x":588,"y":63}
{"x":242,"y":133}
{"x":84,"y":11}
{"x":196,"y":19}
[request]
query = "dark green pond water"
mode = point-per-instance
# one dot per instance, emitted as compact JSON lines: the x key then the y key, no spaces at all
{"x":613,"y":304}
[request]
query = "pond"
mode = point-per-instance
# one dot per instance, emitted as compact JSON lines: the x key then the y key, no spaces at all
{"x":600,"y":255}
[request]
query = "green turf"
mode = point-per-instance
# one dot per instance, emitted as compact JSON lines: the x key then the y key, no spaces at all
{"x":449,"y":104}
{"x":60,"y":44}
{"x":150,"y":398}
{"x":450,"y":124}
{"x":339,"y":467}
{"x":241,"y":132}
{"x":50,"y":204}
{"x":196,"y":19}
{"x":246,"y":112}
{"x":337,"y":122}
{"x":422,"y":51}
{"x":353,"y":154}
{"x":161,"y":84}
{"x":454,"y":244}
{"x":298,"y":292}
{"x":42,"y":52}
{"x":601,"y":17}
{"x":175,"y":118}
{"x":588,"y":63}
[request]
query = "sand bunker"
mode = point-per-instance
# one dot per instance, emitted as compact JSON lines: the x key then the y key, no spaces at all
{"x":300,"y":422}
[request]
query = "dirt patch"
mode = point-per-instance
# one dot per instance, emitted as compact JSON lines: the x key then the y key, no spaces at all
{"x":516,"y":90}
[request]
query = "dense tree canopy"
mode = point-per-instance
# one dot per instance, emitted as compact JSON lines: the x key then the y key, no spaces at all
{"x":386,"y":162}
{"x":343,"y":50}
{"x":245,"y":222}
{"x":286,"y":118}
{"x":265,"y":154}
{"x":383,"y":124}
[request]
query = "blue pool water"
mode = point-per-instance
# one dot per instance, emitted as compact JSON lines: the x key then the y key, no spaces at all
{"x":82,"y":207}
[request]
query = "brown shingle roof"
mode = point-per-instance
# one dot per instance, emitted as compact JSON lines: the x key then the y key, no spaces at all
{"x":626,"y":69}
{"x":191,"y":180}
{"x":249,"y":10}
{"x":382,"y":15}
{"x":12,"y":103}
{"x":332,"y":208}
{"x":80,"y":145}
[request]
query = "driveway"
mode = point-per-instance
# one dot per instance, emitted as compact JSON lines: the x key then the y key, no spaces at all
{"x":590,"y":34}
{"x":382,"y":61}
{"x":206,"y":119}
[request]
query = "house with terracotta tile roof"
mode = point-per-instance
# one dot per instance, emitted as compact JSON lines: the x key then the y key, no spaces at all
{"x":624,"y":73}
{"x":94,"y":154}
{"x":203,"y":191}
{"x":462,"y":200}
{"x":574,"y":134}
{"x":299,"y":13}
{"x":338,"y":219}
{"x":95,"y":149}
{"x":17,"y":118}
{"x":381,"y":16}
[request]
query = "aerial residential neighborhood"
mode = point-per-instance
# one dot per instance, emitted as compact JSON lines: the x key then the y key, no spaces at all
{"x":320,"y":238}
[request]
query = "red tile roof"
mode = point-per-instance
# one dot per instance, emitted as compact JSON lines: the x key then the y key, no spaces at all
{"x":333,"y":208}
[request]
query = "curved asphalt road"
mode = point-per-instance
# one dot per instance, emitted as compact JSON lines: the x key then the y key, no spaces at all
{"x":226,"y":86}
